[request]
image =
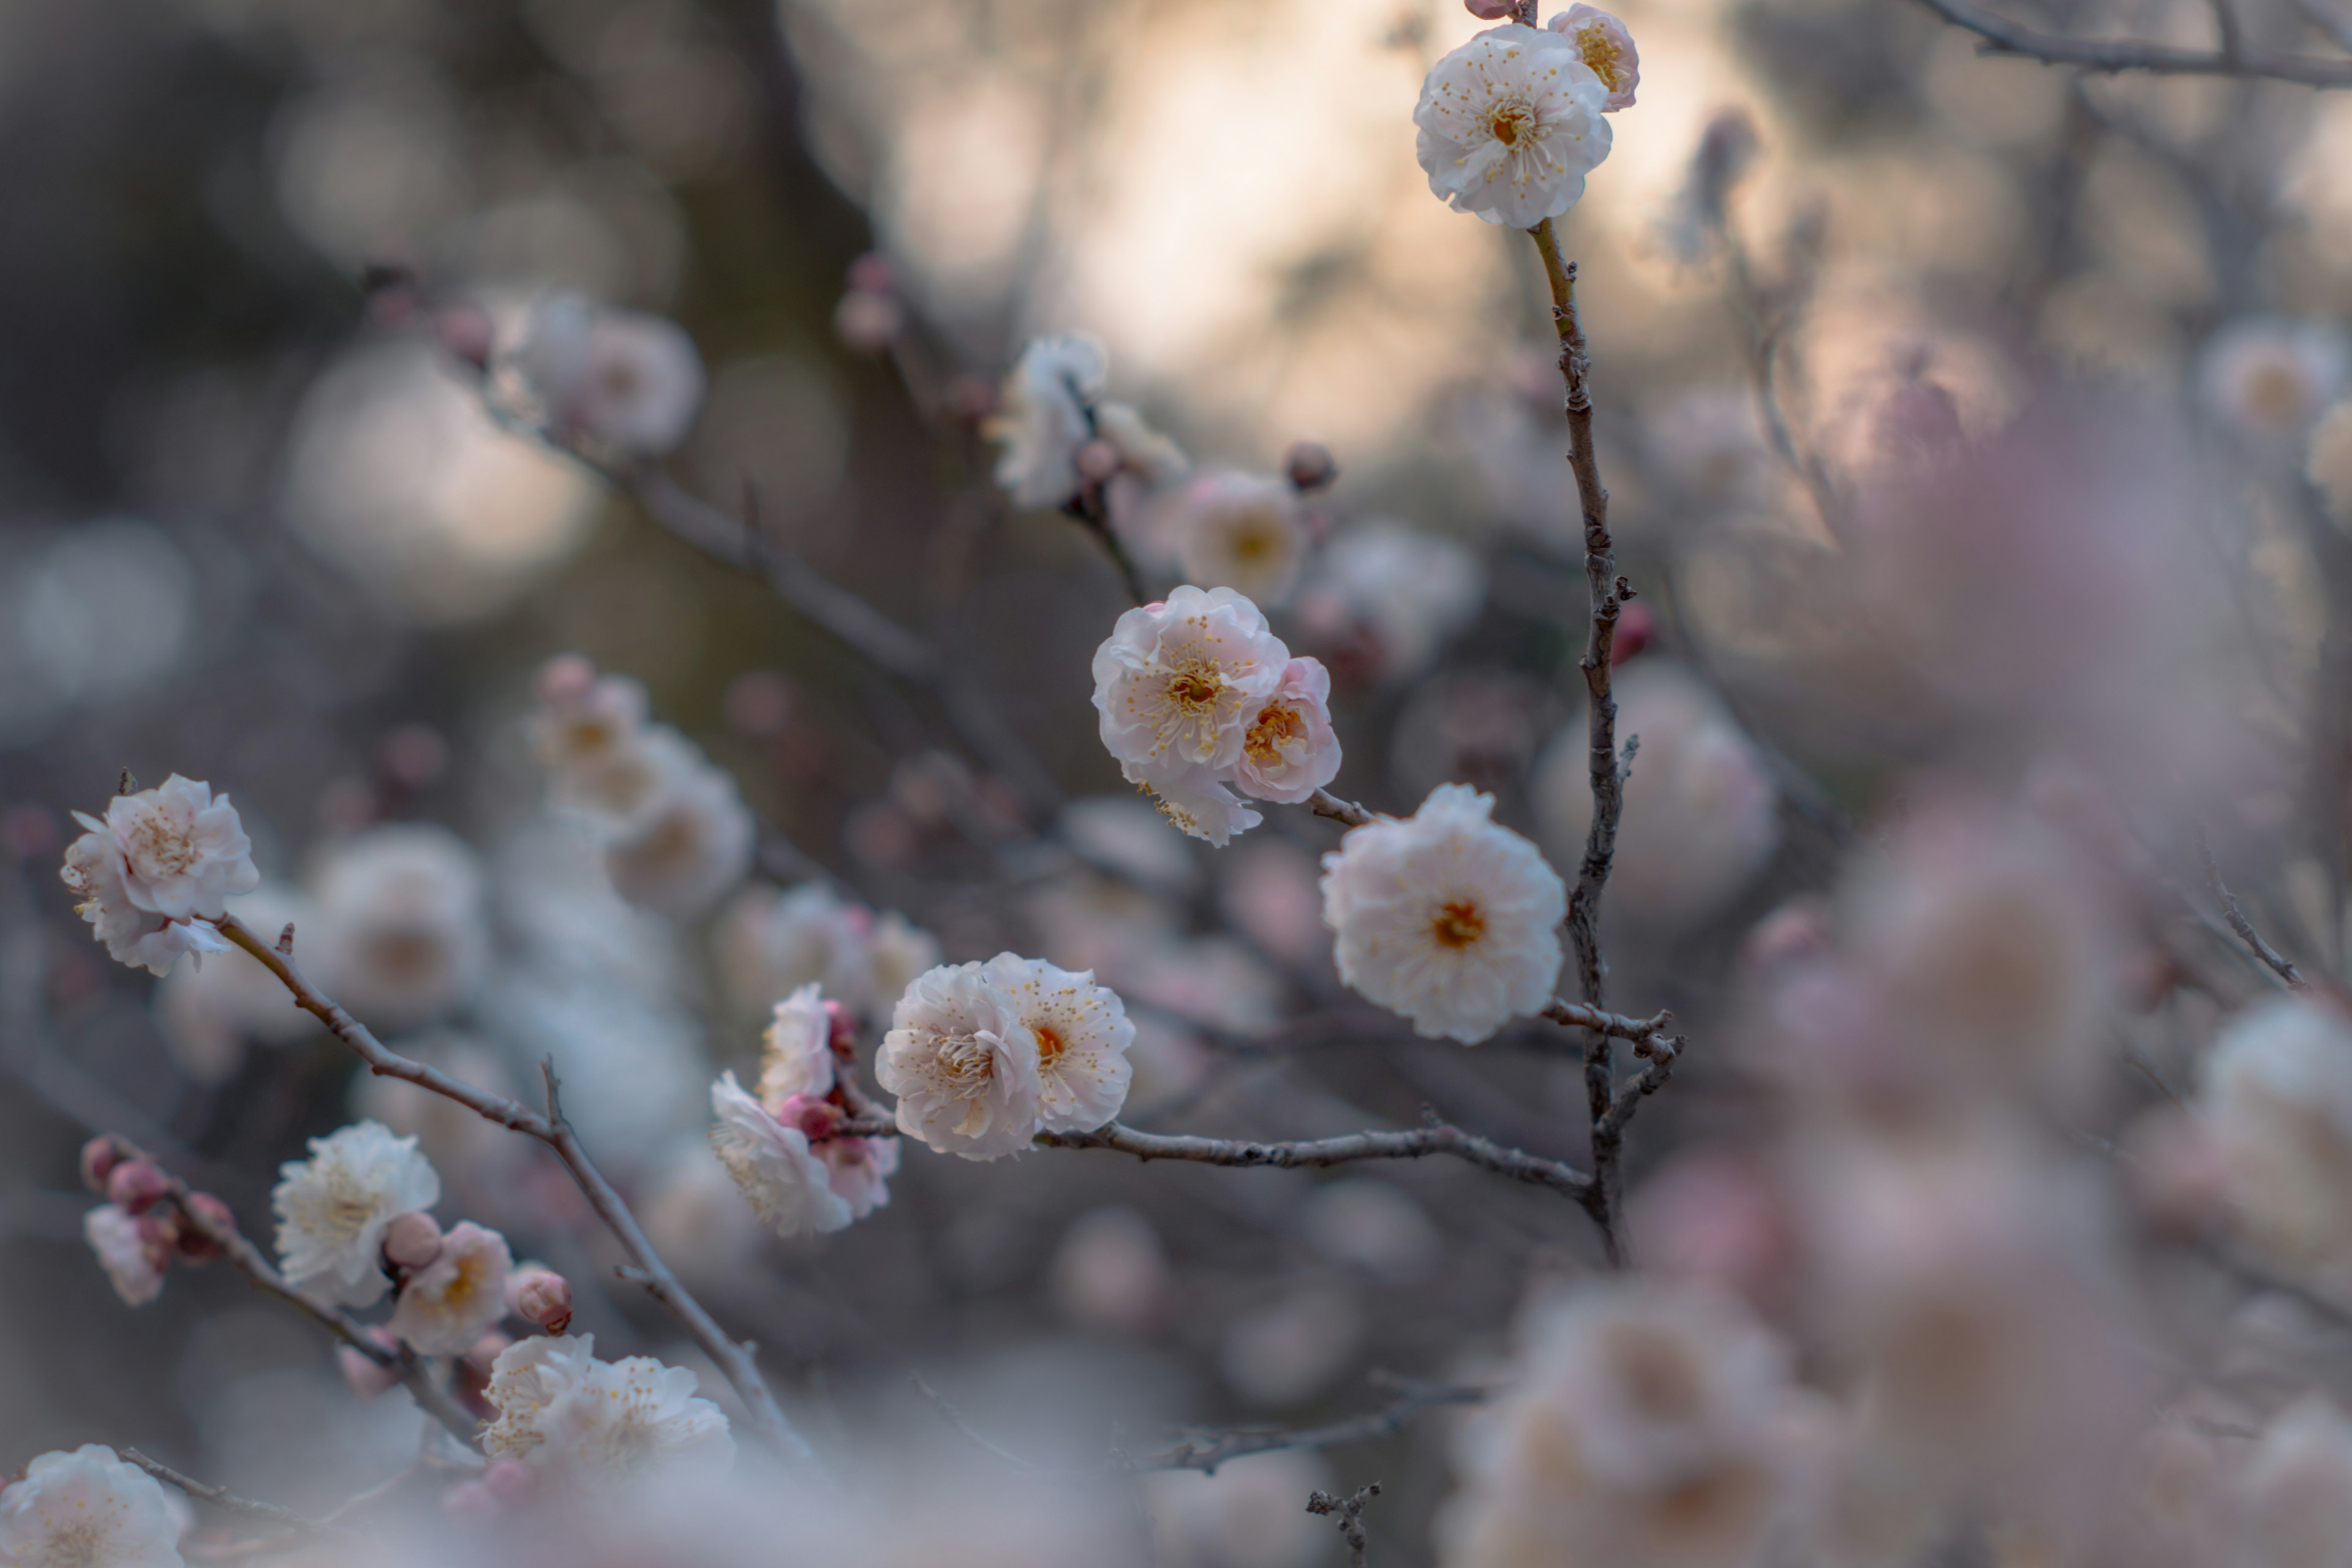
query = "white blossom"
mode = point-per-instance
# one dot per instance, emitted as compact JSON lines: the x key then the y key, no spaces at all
{"x":1404,"y":589}
{"x":963,"y":1064}
{"x":457,"y":1298}
{"x":1177,"y":685}
{"x":1196,"y":799}
{"x":93,"y":868}
{"x":133,"y":1260}
{"x":1045,"y":417}
{"x":1142,"y":451}
{"x":1082,"y":1035}
{"x":1602,"y":43}
{"x":1229,"y":530}
{"x":87,"y":1508}
{"x":798,"y":1058}
{"x":779,"y":1174}
{"x":590,"y":733}
{"x":1445,"y":918}
{"x":183,"y":851}
{"x":2276,"y":1094}
{"x":680,"y":853}
{"x":333,"y":1208}
{"x":2269,"y":379}
{"x":1288,"y":751}
{"x":628,"y":380}
{"x":1510,"y":125}
{"x":588,"y":1424}
{"x":402,"y":938}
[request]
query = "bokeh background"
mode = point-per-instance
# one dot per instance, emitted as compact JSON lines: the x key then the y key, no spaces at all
{"x":254,"y":528}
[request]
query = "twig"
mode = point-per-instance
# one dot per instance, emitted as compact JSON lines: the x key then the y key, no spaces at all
{"x":734,"y":1361}
{"x":1350,"y":1511}
{"x":955,"y":1418}
{"x":1205,"y":1451}
{"x":1417,"y":1144}
{"x":1646,"y":1034}
{"x":1607,"y":592}
{"x":2276,"y":961}
{"x":229,"y":1502}
{"x":1323,"y":803}
{"x":1090,"y":508}
{"x":2004,"y":36}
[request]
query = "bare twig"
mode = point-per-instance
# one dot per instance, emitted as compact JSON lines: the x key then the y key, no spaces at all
{"x":1350,"y":1511}
{"x":2001,"y":36}
{"x":1323,"y":803}
{"x":1607,"y":592}
{"x":1646,"y":1034}
{"x":734,"y":1361}
{"x":2277,"y":963}
{"x":1415,"y":1144}
{"x":955,"y":1418}
{"x":1205,"y":1450}
{"x":229,"y":1502}
{"x":1090,"y":507}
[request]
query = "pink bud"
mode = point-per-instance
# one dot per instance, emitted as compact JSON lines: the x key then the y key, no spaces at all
{"x":1637,"y":626}
{"x":207,"y":1217}
{"x":540,"y":1295}
{"x":1489,"y":10}
{"x":565,"y":678}
{"x":1310,"y":466}
{"x":844,"y":1038}
{"x":869,"y":322}
{"x":136,"y":1186}
{"x":466,"y":332}
{"x":412,"y":1241}
{"x":367,"y":1377}
{"x":809,"y":1114}
{"x":509,"y":1481}
{"x":159,"y":1234}
{"x":1097,"y":461}
{"x":98,"y":1158}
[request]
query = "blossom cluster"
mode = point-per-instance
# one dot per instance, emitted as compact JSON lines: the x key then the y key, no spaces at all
{"x":782,"y":1147}
{"x":154,"y":875}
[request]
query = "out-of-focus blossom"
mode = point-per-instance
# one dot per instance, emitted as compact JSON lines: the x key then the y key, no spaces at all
{"x":1391,"y":595}
{"x":681,"y":853}
{"x":2295,"y":1495}
{"x":1371,"y":1226}
{"x":1125,"y":835}
{"x":772,"y":942}
{"x":1290,"y":1348}
{"x":1445,"y":918}
{"x":1700,"y":815}
{"x":1142,"y":451}
{"x":210,"y":1011}
{"x":1082,"y":1035}
{"x":1250,"y":1515}
{"x":1230,"y":530}
{"x":1046,"y":416}
{"x":401,"y":938}
{"x":332,"y":1209}
{"x":2269,"y":379}
{"x":131,"y":1253}
{"x":1644,"y":1425}
{"x":453,"y":1302}
{"x":1604,"y":44}
{"x":1510,"y":125}
{"x":589,"y":1426}
{"x":588,"y":733}
{"x":1268,"y":894}
{"x":798,"y":1058}
{"x":773,"y":1166}
{"x":963,"y":1064}
{"x":1707,"y":441}
{"x":1111,"y":1272}
{"x":622,"y":378}
{"x":2275,"y":1097}
{"x":697,"y":1215}
{"x":1289,"y":752}
{"x":87,"y":1508}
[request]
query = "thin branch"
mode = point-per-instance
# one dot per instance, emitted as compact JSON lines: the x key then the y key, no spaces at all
{"x":1417,"y":1144}
{"x":1350,"y":1511}
{"x":1644,"y":1033}
{"x":2001,"y":36}
{"x":1323,"y":803}
{"x":1090,"y":508}
{"x":229,"y":1502}
{"x":1205,"y":1450}
{"x":1607,"y":592}
{"x":2276,"y":961}
{"x":733,"y":1360}
{"x":955,"y":1418}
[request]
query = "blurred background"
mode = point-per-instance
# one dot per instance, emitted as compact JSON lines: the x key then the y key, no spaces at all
{"x":257,"y":528}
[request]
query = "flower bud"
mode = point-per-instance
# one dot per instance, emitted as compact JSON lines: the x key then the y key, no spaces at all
{"x":98,"y":1158}
{"x":868,"y":321}
{"x":540,"y":1295}
{"x":159,"y":1233}
{"x":204,"y":1218}
{"x":412,"y":1241}
{"x":871,"y":273}
{"x":1637,"y":626}
{"x":844,"y":1038}
{"x":466,"y":332}
{"x":1489,"y":10}
{"x":1097,"y":461}
{"x":1309,"y":464}
{"x":135,"y":1187}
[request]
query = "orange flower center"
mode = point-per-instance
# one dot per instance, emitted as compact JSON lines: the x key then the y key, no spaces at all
{"x":1457,"y":925}
{"x":1512,"y":124}
{"x":1277,"y":726}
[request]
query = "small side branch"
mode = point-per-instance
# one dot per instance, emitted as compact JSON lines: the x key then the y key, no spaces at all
{"x":2276,"y":961}
{"x":1204,"y":1451}
{"x":734,"y":1361}
{"x":1323,"y":803}
{"x":1999,"y":35}
{"x":229,"y":1502}
{"x":1350,"y":1513}
{"x":1417,"y":1144}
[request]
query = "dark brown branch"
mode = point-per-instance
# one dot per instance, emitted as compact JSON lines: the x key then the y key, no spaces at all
{"x":2001,"y":36}
{"x":734,"y":1361}
{"x":1350,"y":1511}
{"x":2276,"y":961}
{"x":1417,"y":1144}
{"x":1205,"y":1450}
{"x":1606,"y":593}
{"x":228,"y":1502}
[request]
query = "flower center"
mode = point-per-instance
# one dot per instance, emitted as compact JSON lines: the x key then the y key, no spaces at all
{"x":1457,"y":925}
{"x":1194,"y":687}
{"x":2275,"y":395}
{"x":1596,"y":48}
{"x":1050,"y":1044}
{"x":1277,"y":727}
{"x":966,"y":1063}
{"x":1512,"y":122}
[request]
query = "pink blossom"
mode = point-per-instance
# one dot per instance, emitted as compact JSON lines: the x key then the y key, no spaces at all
{"x":1288,"y":751}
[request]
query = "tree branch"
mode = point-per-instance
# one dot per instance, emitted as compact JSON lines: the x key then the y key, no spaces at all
{"x":734,"y":1361}
{"x":1414,"y":1144}
{"x":229,"y":1502}
{"x":1323,"y":803}
{"x":2004,"y":36}
{"x":2277,"y":963}
{"x":1205,"y":1450}
{"x":1350,"y":1511}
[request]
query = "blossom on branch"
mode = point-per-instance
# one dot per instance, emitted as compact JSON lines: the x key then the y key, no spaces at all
{"x":402,"y":936}
{"x":963,"y":1064}
{"x":2275,"y":1099}
{"x":1082,"y":1035}
{"x":2270,"y":380}
{"x":1445,"y":918}
{"x":1047,"y":415}
{"x":154,"y":874}
{"x":1289,"y":752}
{"x":447,"y":1306}
{"x":131,"y":1252}
{"x":799,"y":1054}
{"x":1602,"y":43}
{"x":589,"y":1424}
{"x":1229,"y":530}
{"x":87,"y":1508}
{"x":625,"y":379}
{"x":1511,"y":123}
{"x":332,"y":1209}
{"x":773,"y":1164}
